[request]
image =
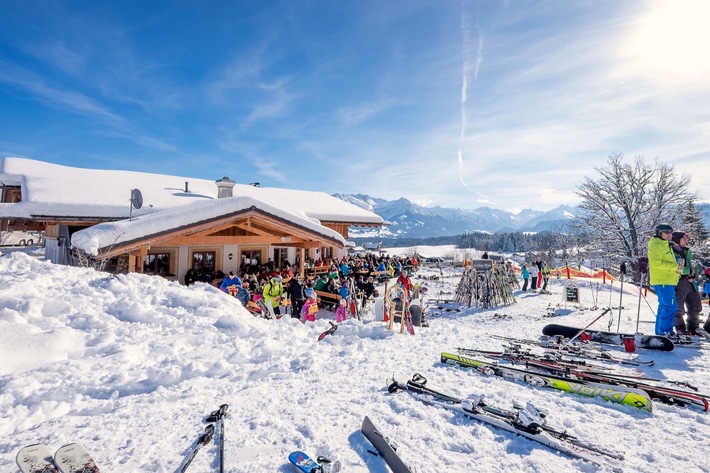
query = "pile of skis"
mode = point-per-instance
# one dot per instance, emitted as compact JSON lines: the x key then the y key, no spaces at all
{"x":561,"y":346}
{"x":524,"y":420}
{"x":618,"y":394}
{"x":582,"y":378}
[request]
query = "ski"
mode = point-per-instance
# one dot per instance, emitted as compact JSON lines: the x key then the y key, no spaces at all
{"x":662,"y":393}
{"x":702,"y":333}
{"x":330,"y":331}
{"x":386,"y":448}
{"x":265,"y":312}
{"x":617,"y":394}
{"x":35,"y":458}
{"x":408,"y":320}
{"x":306,"y":464}
{"x":204,"y":439}
{"x":517,"y":354}
{"x":651,"y":342}
{"x":525,"y":421}
{"x":73,"y":458}
{"x":689,"y":341}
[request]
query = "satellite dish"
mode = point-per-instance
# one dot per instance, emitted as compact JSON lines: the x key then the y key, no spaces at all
{"x":136,"y":199}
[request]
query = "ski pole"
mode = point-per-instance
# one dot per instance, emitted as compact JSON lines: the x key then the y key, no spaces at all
{"x":203,"y":440}
{"x":607,"y":310}
{"x":215,"y":416}
{"x":622,"y":271}
{"x":621,"y":295}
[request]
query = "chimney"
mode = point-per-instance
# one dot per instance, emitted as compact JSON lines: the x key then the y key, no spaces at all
{"x":224,"y":187}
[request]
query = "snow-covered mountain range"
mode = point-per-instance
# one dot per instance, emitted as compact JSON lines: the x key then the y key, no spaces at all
{"x":414,"y":221}
{"x":409,"y":220}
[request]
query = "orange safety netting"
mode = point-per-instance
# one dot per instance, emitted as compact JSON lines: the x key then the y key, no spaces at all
{"x":567,"y":272}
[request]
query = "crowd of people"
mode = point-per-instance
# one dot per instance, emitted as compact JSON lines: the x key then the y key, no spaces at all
{"x":353,"y":277}
{"x":674,"y":276}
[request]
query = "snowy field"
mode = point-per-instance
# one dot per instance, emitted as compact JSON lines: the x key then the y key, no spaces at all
{"x":129,"y":365}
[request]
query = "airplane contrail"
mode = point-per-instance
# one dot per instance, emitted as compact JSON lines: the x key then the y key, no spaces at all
{"x":469,"y":68}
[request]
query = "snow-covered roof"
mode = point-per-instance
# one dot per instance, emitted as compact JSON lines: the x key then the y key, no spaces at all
{"x":56,"y":191}
{"x":109,"y":234}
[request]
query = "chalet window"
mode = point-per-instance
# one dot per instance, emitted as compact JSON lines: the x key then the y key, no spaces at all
{"x":280,"y":256}
{"x":158,"y":263}
{"x":251,"y":260}
{"x":204,"y":260}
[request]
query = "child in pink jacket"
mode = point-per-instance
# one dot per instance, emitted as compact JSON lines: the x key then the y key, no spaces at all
{"x":310,"y":307}
{"x":341,"y":314}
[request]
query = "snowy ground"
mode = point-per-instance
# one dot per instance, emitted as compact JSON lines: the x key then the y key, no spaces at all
{"x":129,"y":365}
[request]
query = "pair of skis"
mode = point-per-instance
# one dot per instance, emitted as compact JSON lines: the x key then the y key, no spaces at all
{"x":652,"y":387}
{"x":618,"y":394}
{"x":215,"y":417}
{"x":71,"y":458}
{"x":657,"y":389}
{"x":526,"y":421}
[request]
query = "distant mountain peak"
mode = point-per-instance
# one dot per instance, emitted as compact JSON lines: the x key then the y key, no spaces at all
{"x":411,"y":220}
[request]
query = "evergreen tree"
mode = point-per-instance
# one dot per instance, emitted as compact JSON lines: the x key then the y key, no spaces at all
{"x":692,"y":222}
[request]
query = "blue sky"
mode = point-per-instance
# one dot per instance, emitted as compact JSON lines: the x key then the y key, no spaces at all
{"x":455,"y":103}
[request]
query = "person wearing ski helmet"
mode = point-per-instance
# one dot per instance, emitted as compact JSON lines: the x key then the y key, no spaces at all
{"x":664,"y":271}
{"x":273,"y":291}
{"x":310,"y":307}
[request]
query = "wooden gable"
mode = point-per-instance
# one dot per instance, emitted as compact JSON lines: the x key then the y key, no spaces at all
{"x":251,"y":226}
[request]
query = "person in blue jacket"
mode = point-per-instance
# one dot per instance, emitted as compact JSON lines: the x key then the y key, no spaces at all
{"x":526,"y":276}
{"x":231,"y":284}
{"x":243,"y":294}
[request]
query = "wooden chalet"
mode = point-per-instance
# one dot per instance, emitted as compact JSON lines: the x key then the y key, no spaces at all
{"x":183,"y":223}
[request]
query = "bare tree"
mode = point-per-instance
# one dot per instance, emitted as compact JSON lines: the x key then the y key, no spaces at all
{"x":624,"y":204}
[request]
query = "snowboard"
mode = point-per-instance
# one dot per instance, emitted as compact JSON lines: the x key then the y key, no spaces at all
{"x":306,"y":464}
{"x":72,"y":458}
{"x":303,"y":462}
{"x":35,"y":458}
{"x":384,"y":446}
{"x":651,"y":342}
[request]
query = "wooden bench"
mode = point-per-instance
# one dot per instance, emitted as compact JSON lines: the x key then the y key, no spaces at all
{"x":328,"y":298}
{"x":316,"y":270}
{"x":382,"y":275}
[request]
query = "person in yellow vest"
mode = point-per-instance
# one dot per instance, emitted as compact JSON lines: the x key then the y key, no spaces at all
{"x":664,"y":272}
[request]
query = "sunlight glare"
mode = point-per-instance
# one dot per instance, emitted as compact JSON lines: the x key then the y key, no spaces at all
{"x":674,"y":39}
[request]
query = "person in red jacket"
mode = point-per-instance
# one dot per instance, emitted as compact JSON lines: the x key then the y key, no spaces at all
{"x":405,"y":282}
